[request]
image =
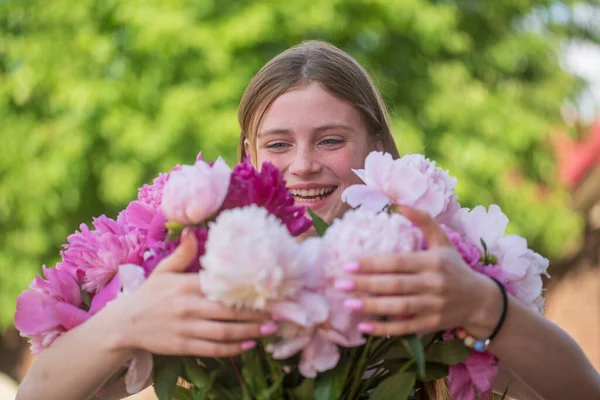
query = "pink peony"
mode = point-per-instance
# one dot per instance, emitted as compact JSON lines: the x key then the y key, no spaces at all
{"x":317,"y":324}
{"x":250,"y":259}
{"x":522,"y":267}
{"x":156,"y":251}
{"x":151,"y":195}
{"x":95,"y":255}
{"x":411,"y":180}
{"x":362,"y":233}
{"x":470,"y":254}
{"x":194,"y":193}
{"x":475,"y":374}
{"x":266,"y":189}
{"x":37,"y":316}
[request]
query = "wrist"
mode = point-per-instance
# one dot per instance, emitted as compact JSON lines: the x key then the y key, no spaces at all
{"x":118,"y":339}
{"x":487,"y":309}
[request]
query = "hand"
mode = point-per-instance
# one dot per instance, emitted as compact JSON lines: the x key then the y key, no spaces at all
{"x":169,"y":315}
{"x":421,"y":292}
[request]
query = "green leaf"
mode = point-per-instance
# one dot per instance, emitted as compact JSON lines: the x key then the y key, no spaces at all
{"x":194,"y":373}
{"x":484,"y":245}
{"x":415,"y":348}
{"x":269,"y":392}
{"x":448,"y":352}
{"x":252,"y":372}
{"x":319,"y":223}
{"x":396,"y":387}
{"x":330,"y":384}
{"x":305,"y":391}
{"x":166,"y":372}
{"x":181,"y":393}
{"x":203,"y":393}
{"x":434,"y":371}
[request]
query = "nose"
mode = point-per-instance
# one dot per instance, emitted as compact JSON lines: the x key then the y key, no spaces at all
{"x":304,"y":163}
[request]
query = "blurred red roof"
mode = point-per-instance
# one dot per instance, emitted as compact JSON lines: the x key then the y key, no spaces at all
{"x":577,"y":158}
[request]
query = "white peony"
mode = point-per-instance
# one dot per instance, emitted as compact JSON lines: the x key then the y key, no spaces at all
{"x":251,"y":260}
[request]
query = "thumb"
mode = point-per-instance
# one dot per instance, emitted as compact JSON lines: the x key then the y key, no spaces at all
{"x":183,"y":255}
{"x":433,"y":232}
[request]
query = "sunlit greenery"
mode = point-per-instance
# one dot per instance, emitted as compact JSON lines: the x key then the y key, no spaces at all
{"x":97,"y":96}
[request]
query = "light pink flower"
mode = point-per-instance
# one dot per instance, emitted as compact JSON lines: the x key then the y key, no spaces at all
{"x":475,"y":374}
{"x":317,"y":323}
{"x":194,"y":193}
{"x":250,"y":259}
{"x":521,"y":266}
{"x":411,"y":180}
{"x":361,"y":233}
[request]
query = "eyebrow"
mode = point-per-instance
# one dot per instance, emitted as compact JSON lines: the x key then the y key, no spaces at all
{"x":322,"y":128}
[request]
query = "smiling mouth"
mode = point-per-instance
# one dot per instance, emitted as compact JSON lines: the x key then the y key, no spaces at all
{"x":312,"y":195}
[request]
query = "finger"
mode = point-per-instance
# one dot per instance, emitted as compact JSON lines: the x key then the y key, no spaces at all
{"x":227,"y":331}
{"x":200,"y":307}
{"x":183,"y":255}
{"x":397,"y":263}
{"x":207,"y":348}
{"x":431,"y":229}
{"x":384,"y":284}
{"x":393,"y":305}
{"x":419,"y":324}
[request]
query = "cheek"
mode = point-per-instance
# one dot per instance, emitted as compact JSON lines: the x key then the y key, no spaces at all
{"x":278,"y":160}
{"x":342,"y":162}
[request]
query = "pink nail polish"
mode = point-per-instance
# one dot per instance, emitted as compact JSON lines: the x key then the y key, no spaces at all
{"x":277,"y":317}
{"x":351,"y":266}
{"x":365,"y":328}
{"x":354,"y":304}
{"x":249,"y":344}
{"x":344,"y":285}
{"x":268,"y":329}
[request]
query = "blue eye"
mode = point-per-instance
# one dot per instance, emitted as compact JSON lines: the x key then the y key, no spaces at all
{"x":276,"y":145}
{"x":331,"y":142}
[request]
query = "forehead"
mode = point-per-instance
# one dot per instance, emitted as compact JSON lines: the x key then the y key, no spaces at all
{"x":308,"y":107}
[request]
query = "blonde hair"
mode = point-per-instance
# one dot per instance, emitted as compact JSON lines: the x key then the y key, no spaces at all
{"x":332,"y":68}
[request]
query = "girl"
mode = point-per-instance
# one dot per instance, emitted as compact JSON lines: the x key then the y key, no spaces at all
{"x":315,"y":114}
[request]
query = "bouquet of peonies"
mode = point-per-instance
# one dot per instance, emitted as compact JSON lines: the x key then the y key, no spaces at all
{"x":245,"y":223}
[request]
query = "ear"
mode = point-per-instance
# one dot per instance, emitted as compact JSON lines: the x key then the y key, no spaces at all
{"x":377,"y":145}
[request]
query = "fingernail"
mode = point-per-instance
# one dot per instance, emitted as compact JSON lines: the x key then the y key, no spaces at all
{"x":247,"y":345}
{"x":186,"y":232}
{"x":344,"y":285}
{"x":354,"y":304}
{"x":365,"y":328}
{"x":277,"y":317}
{"x":351,"y":266}
{"x":268,"y":329}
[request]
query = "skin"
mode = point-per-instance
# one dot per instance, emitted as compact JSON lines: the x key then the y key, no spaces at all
{"x":169,"y":314}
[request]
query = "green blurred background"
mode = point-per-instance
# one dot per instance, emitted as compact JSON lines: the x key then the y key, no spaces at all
{"x":97,"y":96}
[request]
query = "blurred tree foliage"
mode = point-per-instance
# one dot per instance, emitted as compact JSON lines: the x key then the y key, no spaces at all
{"x":97,"y":96}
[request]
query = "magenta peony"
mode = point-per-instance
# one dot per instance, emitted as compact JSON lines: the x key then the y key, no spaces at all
{"x":266,"y":189}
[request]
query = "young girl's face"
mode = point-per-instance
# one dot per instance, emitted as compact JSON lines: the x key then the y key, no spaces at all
{"x":315,"y":139}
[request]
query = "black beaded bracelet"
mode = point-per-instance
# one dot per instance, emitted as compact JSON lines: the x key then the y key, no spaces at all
{"x":504,"y":309}
{"x":482,"y":345}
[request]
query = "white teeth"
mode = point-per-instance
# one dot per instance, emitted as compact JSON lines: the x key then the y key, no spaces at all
{"x":311,"y":192}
